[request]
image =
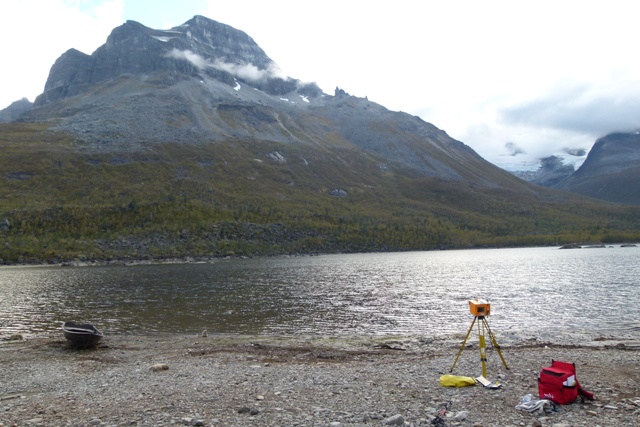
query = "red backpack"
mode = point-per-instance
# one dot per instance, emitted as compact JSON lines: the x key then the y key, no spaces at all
{"x":559,"y":384}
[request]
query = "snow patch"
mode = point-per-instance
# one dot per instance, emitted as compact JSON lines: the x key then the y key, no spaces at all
{"x":276,"y":157}
{"x":304,"y":98}
{"x":338,"y":192}
{"x":237,"y":87}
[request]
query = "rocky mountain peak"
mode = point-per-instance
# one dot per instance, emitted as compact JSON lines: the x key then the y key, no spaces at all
{"x":222,"y":43}
{"x":200,"y":46}
{"x":15,"y":110}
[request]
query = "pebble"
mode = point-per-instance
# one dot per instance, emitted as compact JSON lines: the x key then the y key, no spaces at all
{"x":159,"y":367}
{"x":462,"y":415}
{"x":396,"y":420}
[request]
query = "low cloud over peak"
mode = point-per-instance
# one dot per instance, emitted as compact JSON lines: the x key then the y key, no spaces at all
{"x":247,"y":72}
{"x":513,"y":149}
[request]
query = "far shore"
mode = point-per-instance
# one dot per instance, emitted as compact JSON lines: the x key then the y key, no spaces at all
{"x":213,"y":259}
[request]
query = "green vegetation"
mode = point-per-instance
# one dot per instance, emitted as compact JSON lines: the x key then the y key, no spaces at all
{"x":61,"y":199}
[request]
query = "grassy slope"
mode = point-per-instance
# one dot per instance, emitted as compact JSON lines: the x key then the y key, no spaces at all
{"x":64,"y":200}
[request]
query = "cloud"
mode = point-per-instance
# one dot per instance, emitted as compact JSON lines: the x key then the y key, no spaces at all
{"x":521,"y":146}
{"x":513,"y":149}
{"x":186,"y":55}
{"x":580,"y":107}
{"x":247,"y":72}
{"x":577,"y":152}
{"x":564,"y":118}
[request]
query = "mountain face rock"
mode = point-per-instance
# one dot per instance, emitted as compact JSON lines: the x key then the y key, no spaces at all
{"x":200,"y":45}
{"x":204,"y":81}
{"x":611,"y":171}
{"x":69,"y":75}
{"x":15,"y":110}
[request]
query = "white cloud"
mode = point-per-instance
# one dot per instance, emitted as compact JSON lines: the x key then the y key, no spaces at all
{"x":244,"y":71}
{"x":585,"y":107}
{"x":249,"y":71}
{"x":198,"y":61}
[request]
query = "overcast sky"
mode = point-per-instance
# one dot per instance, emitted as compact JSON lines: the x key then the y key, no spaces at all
{"x":515,"y":80}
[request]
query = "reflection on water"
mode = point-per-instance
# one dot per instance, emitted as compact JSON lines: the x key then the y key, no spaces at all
{"x":423,"y":293}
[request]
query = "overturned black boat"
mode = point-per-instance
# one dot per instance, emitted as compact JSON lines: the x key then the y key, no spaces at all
{"x":82,"y":335}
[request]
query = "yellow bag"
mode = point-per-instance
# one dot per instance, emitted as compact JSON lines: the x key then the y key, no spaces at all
{"x":456,"y":381}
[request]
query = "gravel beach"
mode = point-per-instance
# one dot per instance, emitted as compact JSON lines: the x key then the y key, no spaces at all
{"x":231,"y":380}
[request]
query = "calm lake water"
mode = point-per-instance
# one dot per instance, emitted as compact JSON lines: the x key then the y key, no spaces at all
{"x":541,"y":292}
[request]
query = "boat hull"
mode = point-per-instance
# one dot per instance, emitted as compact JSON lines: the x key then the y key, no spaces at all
{"x":81,"y":335}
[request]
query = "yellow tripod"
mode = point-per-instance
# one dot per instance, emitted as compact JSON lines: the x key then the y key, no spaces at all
{"x":482,"y":325}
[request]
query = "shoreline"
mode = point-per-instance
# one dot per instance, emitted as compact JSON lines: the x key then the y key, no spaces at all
{"x":348,"y":342}
{"x":409,"y":341}
{"x":212,"y":259}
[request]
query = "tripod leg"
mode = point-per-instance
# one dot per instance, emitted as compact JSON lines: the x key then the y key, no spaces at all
{"x":463,"y":344}
{"x":482,"y":346}
{"x":495,"y":343}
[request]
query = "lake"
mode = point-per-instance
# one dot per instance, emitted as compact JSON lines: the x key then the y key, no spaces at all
{"x":534,"y":292}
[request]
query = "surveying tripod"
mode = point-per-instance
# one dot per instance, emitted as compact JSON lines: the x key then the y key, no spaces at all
{"x":482,"y":325}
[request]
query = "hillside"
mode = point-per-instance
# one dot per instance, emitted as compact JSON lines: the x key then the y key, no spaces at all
{"x":188,"y":142}
{"x":62,"y":201}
